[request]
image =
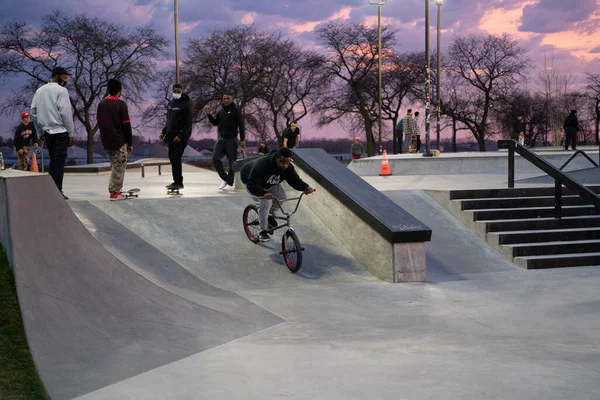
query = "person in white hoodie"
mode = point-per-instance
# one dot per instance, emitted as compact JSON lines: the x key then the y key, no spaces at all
{"x":52,"y":115}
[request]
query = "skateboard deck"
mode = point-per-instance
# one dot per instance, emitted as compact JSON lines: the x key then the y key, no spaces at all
{"x":173,"y":191}
{"x":130,"y":193}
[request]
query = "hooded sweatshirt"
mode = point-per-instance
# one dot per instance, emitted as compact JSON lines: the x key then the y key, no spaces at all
{"x":572,"y":122}
{"x":179,"y":119}
{"x":229,"y":120}
{"x":263,"y":173}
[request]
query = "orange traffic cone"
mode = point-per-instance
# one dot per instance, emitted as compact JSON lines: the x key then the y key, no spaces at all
{"x":385,"y":166}
{"x":34,"y":167}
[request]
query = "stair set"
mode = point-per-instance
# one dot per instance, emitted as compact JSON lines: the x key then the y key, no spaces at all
{"x":520,"y":224}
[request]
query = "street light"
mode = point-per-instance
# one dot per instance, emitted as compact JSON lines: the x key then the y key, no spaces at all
{"x":176,"y":20}
{"x":439,"y":68}
{"x":427,"y":83}
{"x":379,"y":4}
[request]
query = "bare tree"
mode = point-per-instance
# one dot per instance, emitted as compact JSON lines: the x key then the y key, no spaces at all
{"x":402,"y":75}
{"x":593,"y":87}
{"x":483,"y":66}
{"x":351,"y":65}
{"x":555,"y":86}
{"x":93,"y":50}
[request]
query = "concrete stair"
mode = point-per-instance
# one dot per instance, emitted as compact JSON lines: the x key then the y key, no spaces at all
{"x":520,"y":224}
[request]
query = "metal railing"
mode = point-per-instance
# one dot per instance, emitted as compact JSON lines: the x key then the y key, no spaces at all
{"x":575,"y":155}
{"x":560,"y":179}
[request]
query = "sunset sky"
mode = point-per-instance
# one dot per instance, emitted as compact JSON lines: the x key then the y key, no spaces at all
{"x":570,"y":30}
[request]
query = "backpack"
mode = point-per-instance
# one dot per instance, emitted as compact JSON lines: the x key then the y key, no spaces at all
{"x":400,"y":127}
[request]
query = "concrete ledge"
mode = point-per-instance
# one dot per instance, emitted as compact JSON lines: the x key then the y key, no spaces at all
{"x":382,"y":236}
{"x":466,"y":163}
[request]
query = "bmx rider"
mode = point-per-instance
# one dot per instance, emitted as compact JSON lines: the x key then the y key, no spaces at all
{"x":263,"y":178}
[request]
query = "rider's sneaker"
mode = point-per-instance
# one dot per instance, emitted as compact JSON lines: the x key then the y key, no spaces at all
{"x":223,"y":185}
{"x":264,"y":237}
{"x":117,"y":196}
{"x":170,"y":185}
{"x":64,"y":196}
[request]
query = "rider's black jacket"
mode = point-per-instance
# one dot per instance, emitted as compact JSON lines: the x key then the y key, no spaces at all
{"x":262,"y":173}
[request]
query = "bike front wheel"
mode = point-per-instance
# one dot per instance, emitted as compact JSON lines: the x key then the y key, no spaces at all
{"x":251,"y":223}
{"x":291,"y":250}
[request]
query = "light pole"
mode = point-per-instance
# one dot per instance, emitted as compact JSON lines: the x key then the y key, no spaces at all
{"x":176,"y":20}
{"x":439,"y":69}
{"x":379,"y":4}
{"x":427,"y":83}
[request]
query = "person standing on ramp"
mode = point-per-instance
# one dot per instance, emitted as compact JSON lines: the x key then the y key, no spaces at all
{"x":116,"y":136}
{"x":177,"y":132}
{"x":228,"y":120}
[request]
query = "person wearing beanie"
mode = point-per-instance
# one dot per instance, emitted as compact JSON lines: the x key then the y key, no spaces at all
{"x":116,"y":136}
{"x":25,"y":134}
{"x":177,"y":132}
{"x":52,"y":116}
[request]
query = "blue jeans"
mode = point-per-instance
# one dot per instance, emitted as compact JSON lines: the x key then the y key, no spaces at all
{"x":58,"y":143}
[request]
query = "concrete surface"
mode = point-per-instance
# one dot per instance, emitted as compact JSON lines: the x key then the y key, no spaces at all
{"x":466,"y":163}
{"x":478,"y":328}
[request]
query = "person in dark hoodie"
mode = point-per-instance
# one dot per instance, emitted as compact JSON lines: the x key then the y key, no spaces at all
{"x":228,"y":120}
{"x":24,"y":135}
{"x":263,"y":177}
{"x":177,"y":132}
{"x":571,"y":130}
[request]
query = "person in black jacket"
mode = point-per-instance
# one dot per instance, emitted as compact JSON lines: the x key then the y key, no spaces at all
{"x":262,"y":178}
{"x":229,"y":120}
{"x":24,"y":135}
{"x":571,"y":129}
{"x":177,"y":132}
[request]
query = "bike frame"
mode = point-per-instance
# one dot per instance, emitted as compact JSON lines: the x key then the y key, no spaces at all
{"x":288,"y":216}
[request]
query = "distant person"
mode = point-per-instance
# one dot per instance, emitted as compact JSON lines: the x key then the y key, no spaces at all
{"x":571,"y":130}
{"x":53,"y":117}
{"x":357,"y":149}
{"x":24,"y":136}
{"x":229,"y":121}
{"x":291,"y":136}
{"x":399,"y":132}
{"x":263,"y":149}
{"x":177,"y":132}
{"x":517,"y":128}
{"x":116,"y":136}
{"x":263,"y":178}
{"x":408,"y":130}
{"x":417,"y":131}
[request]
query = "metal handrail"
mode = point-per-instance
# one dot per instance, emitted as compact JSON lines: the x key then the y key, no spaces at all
{"x":575,"y":155}
{"x":560,"y":178}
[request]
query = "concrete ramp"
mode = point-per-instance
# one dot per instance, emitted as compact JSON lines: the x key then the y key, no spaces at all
{"x":92,"y":321}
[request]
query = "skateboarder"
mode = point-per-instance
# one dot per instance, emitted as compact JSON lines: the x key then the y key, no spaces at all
{"x":24,"y":135}
{"x":177,"y":132}
{"x":116,"y":136}
{"x":228,"y":120}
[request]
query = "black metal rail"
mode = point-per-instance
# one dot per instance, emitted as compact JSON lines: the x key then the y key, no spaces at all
{"x":560,"y":179}
{"x":575,"y":155}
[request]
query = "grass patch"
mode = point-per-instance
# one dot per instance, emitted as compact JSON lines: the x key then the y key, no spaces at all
{"x":18,"y":377}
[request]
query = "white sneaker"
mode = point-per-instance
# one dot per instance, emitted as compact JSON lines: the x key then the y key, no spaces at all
{"x":223,"y":185}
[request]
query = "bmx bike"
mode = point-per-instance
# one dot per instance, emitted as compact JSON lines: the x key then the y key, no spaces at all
{"x":291,"y":249}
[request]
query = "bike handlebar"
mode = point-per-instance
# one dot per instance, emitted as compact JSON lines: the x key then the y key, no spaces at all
{"x":279,"y":203}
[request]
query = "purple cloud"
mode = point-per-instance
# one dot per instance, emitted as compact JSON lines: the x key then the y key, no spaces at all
{"x":550,"y":16}
{"x":595,"y":50}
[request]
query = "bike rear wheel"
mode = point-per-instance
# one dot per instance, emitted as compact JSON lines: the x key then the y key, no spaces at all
{"x":291,"y":250}
{"x":251,"y":223}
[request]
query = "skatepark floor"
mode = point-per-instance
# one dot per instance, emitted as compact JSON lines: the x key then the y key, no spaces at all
{"x":480,"y":327}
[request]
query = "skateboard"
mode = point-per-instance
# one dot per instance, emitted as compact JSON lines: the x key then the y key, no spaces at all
{"x":130,"y":193}
{"x":413,"y":144}
{"x":174,"y":191}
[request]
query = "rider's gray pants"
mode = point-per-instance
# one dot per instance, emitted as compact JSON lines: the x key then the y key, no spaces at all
{"x":266,"y":207}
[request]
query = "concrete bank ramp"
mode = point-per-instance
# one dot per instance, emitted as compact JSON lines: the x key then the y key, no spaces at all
{"x":91,"y":320}
{"x":205,"y":235}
